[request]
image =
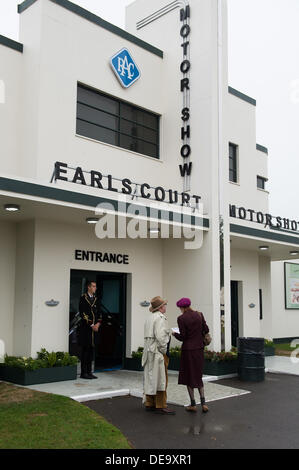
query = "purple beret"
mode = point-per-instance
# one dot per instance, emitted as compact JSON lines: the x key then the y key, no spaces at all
{"x":184,"y":302}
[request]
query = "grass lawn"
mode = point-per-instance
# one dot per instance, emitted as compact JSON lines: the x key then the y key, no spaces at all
{"x":282,"y":349}
{"x":37,"y":420}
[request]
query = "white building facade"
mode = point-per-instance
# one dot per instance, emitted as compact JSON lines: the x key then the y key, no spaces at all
{"x":91,"y":114}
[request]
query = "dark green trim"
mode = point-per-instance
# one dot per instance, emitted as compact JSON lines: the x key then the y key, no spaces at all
{"x":241,"y":95}
{"x":24,"y":5}
{"x":17,"y":46}
{"x":57,"y":194}
{"x":253,"y":232}
{"x":106,"y":25}
{"x":261,"y":148}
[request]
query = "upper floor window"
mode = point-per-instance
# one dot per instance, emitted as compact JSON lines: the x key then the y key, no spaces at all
{"x":233,"y":163}
{"x":261,"y":182}
{"x":113,"y":121}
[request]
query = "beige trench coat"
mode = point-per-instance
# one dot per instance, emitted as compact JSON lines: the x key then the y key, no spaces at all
{"x":156,"y":336}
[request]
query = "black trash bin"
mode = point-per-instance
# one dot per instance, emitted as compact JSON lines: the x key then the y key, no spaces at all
{"x":251,"y":359}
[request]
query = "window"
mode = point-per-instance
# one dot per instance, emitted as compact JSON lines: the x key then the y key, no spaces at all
{"x":261,"y":303}
{"x":116,"y":122}
{"x":261,"y":182}
{"x":233,"y":172}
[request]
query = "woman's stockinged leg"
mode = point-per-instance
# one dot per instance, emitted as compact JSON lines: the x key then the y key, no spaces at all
{"x":203,"y":400}
{"x":191,"y":395}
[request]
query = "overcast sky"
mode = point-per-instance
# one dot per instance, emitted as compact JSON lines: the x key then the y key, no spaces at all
{"x":263,"y":63}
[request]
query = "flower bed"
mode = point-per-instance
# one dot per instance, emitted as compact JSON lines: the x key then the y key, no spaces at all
{"x":47,"y":367}
{"x":216,"y":363}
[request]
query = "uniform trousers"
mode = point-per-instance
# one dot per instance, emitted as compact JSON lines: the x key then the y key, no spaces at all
{"x":86,"y":359}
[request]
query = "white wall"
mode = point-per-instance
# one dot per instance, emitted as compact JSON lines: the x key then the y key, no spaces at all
{"x":7,"y":283}
{"x":241,"y":130}
{"x":10,"y":79}
{"x":54,"y":258}
{"x":245,"y":268}
{"x":265,"y":285}
{"x":24,"y":288}
{"x":187,"y":273}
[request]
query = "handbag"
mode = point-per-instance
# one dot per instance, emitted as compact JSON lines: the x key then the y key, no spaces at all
{"x":207,"y":338}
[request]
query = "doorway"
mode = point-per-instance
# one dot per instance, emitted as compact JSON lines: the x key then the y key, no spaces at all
{"x":110,"y":340}
{"x":234,"y":298}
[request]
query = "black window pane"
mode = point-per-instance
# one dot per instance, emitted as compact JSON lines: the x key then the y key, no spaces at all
{"x":97,"y":100}
{"x":231,"y":164}
{"x":138,"y":146}
{"x":96,"y":132}
{"x":138,"y":131}
{"x":97,"y":117}
{"x":260,"y":183}
{"x":139,"y":116}
{"x":232,"y":176}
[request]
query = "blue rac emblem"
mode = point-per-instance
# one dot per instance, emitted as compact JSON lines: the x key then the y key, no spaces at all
{"x":125,"y":68}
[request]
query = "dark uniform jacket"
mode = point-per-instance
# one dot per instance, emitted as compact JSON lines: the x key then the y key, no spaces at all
{"x":192,"y":328}
{"x":89,"y":309}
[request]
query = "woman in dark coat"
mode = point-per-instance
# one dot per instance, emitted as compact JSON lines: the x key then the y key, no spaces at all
{"x":193,"y":327}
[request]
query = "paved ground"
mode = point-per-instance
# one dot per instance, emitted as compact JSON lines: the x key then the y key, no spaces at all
{"x":286,"y":365}
{"x":265,"y":418}
{"x":123,"y":382}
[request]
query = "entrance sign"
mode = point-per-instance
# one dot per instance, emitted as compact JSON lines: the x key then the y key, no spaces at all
{"x":83,"y":255}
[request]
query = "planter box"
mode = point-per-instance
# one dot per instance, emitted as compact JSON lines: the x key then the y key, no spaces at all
{"x":220,"y":368}
{"x":132,"y":363}
{"x":269,"y":351}
{"x":174,"y":363}
{"x":38,"y":376}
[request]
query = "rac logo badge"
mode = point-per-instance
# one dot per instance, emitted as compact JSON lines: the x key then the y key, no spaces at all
{"x":125,"y":68}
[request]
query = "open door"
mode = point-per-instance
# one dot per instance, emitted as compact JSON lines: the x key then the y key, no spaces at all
{"x":111,"y":292}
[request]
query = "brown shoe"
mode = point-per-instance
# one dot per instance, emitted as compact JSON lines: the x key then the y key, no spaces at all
{"x":205,"y":409}
{"x":165,"y":411}
{"x":191,"y":408}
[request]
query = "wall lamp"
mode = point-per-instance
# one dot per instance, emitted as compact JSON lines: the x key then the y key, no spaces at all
{"x":12,"y":207}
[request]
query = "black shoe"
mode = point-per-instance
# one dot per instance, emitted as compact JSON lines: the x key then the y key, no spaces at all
{"x":85,"y":376}
{"x":92,"y":376}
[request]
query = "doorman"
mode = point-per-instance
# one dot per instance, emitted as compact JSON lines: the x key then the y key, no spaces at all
{"x":90,"y":322}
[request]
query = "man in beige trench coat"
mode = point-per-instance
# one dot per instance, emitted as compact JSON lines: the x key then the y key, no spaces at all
{"x":155,"y":359}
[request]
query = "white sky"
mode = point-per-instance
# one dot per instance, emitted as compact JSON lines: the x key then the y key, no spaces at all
{"x":263,"y":63}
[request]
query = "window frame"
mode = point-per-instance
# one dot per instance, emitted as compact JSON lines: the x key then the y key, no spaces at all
{"x":118,"y":132}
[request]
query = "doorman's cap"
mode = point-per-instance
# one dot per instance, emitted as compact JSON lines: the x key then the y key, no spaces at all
{"x":156,"y":303}
{"x":183,"y":303}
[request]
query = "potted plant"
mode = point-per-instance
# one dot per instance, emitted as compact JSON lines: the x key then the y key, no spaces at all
{"x":220,"y":363}
{"x":269,"y":348}
{"x":47,"y":367}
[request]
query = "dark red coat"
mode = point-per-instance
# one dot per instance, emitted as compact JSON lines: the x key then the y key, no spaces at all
{"x":192,"y":328}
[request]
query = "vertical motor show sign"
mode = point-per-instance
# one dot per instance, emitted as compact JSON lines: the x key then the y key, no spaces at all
{"x":186,"y":166}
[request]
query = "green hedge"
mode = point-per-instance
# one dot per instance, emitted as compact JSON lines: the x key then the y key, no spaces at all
{"x":44,"y":359}
{"x":212,"y":356}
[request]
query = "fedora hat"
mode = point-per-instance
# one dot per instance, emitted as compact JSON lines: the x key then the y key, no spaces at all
{"x":156,"y":303}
